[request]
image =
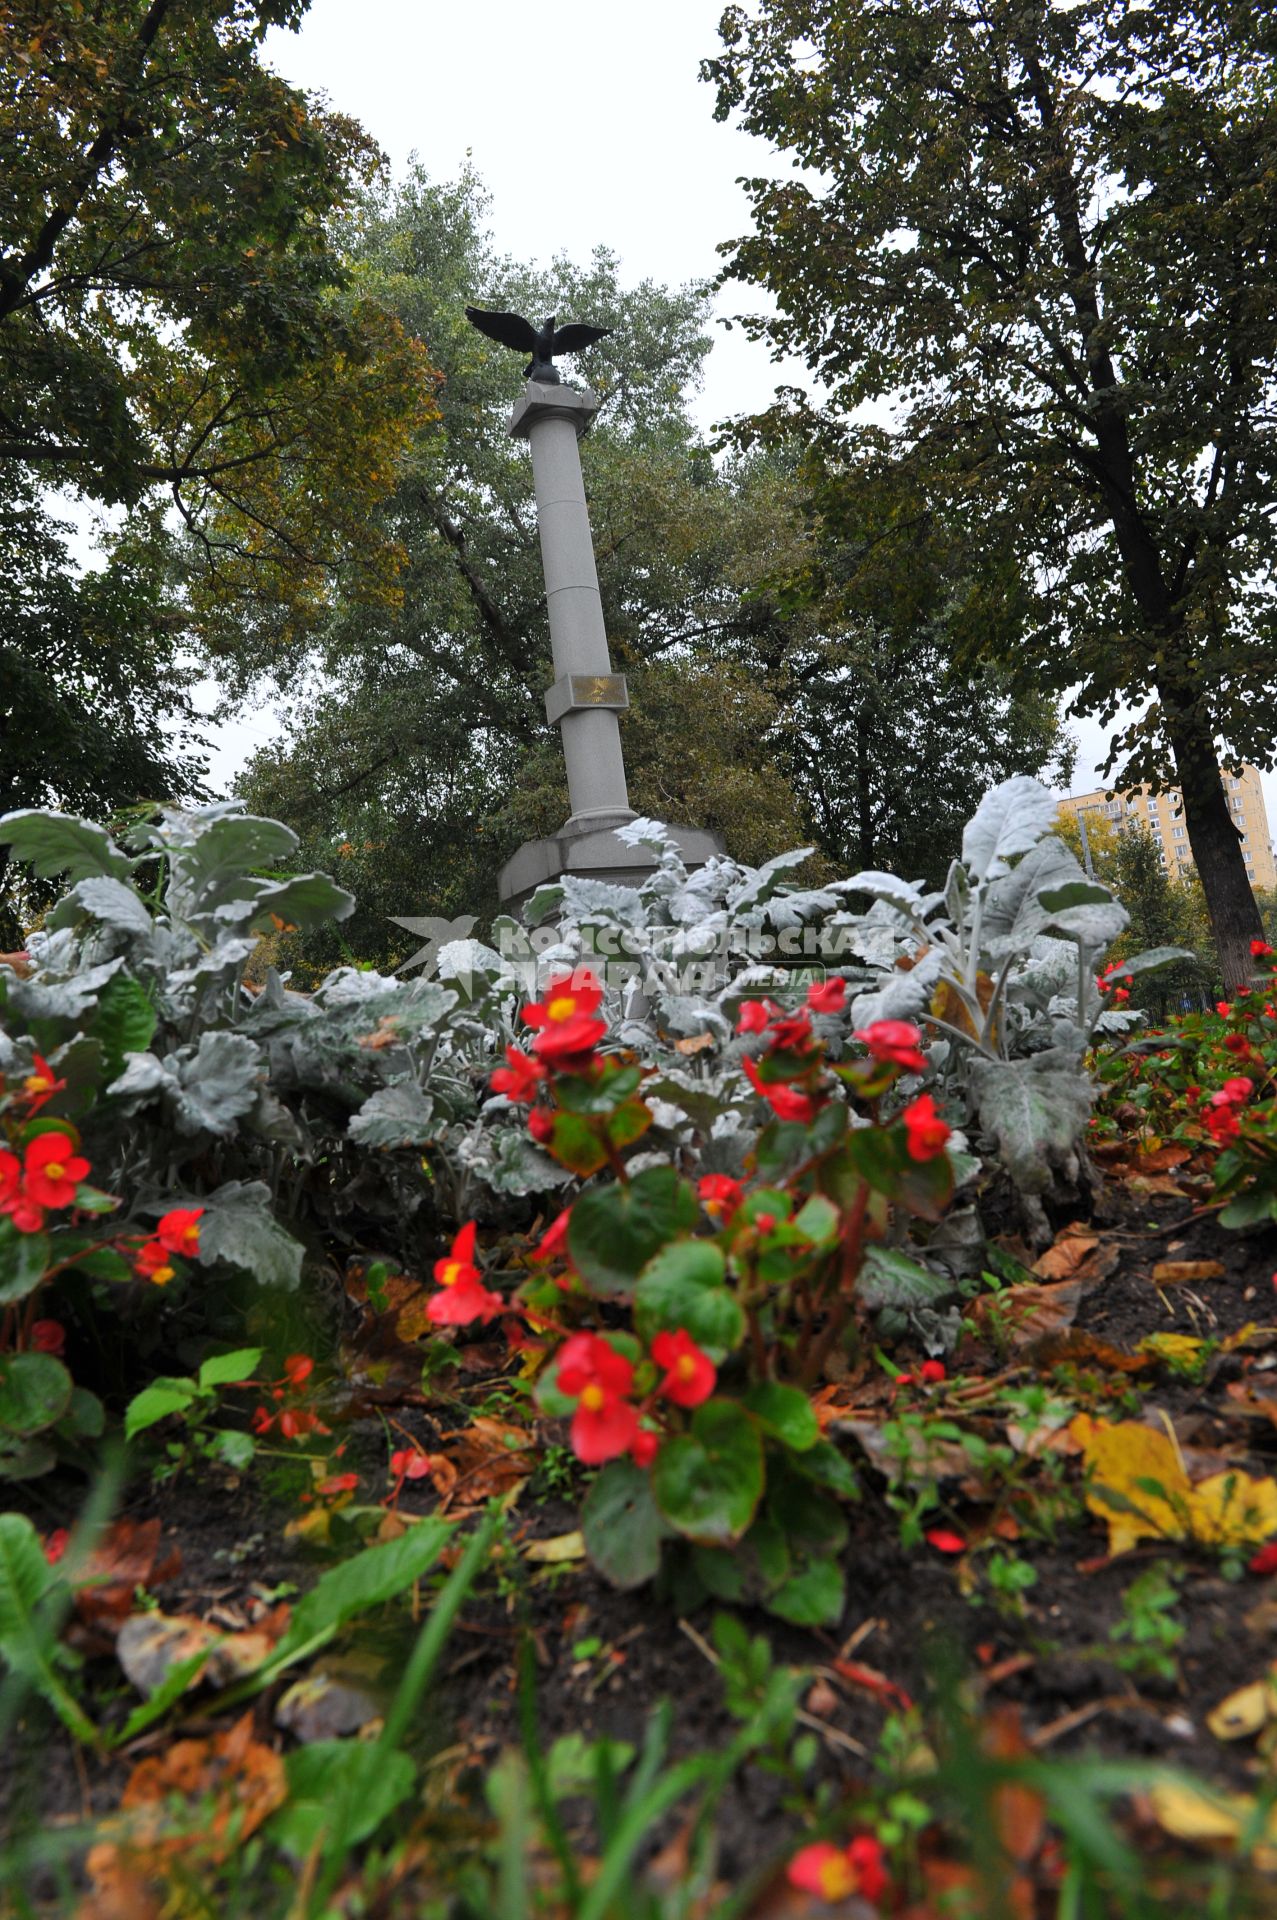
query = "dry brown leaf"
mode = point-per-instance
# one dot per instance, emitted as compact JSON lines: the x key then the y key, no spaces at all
{"x":127,"y":1557}
{"x":1019,"y":1813}
{"x":1162,"y":1159}
{"x":1022,"y":1316}
{"x":1155,"y":1183}
{"x":1087,"y":1349}
{"x":150,"y":1645}
{"x":696,"y":1043}
{"x":245,"y":1778}
{"x":928,"y":1460}
{"x":1077,"y":1253}
{"x":490,"y":1458}
{"x":1170,"y":1273}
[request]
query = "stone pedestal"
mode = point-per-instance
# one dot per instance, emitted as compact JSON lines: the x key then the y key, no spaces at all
{"x":586,"y":696}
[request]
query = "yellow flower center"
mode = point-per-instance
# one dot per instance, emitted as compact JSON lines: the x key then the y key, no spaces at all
{"x":837,"y":1878}
{"x":593,"y":1398}
{"x":55,"y":1170}
{"x":38,"y":1083}
{"x":686,"y":1366}
{"x":562,"y":1007}
{"x":161,"y":1276}
{"x":452,"y":1273}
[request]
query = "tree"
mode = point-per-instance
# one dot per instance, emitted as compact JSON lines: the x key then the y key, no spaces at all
{"x":417,"y":750}
{"x":95,"y":708}
{"x":1043,"y":231}
{"x":178,"y":339}
{"x":886,"y":738}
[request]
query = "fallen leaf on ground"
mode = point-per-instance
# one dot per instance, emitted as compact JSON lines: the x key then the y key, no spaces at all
{"x":1247,"y":1710}
{"x":926,"y":1459}
{"x":319,"y":1707}
{"x":1139,"y":1486}
{"x":150,"y":1645}
{"x":564,"y":1546}
{"x":245,"y":1778}
{"x":490,"y":1458}
{"x":1021,"y":1316}
{"x":1172,"y":1273}
{"x":871,"y":1681}
{"x":127,"y":1557}
{"x":1077,"y":1253}
{"x":1192,"y":1812}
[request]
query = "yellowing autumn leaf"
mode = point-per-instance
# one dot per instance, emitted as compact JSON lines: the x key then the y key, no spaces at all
{"x":1139,"y":1486}
{"x":1247,"y":1711}
{"x":1192,"y":1812}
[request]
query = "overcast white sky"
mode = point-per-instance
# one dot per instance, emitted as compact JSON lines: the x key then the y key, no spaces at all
{"x":588,"y":123}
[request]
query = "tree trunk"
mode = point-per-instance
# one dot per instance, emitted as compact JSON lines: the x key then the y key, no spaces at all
{"x":1216,"y":843}
{"x":864,"y":792}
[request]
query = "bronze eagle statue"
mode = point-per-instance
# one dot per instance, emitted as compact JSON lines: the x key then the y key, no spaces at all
{"x":543,"y":342}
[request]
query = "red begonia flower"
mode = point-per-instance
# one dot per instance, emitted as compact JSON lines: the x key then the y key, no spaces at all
{"x":827,"y":996}
{"x":519,"y":1078}
{"x":554,"y":1241}
{"x":791,"y":1032}
{"x":56,"y":1544}
{"x":338,"y":1483}
{"x":945,"y":1542}
{"x":463,"y":1303}
{"x":754,"y":1016}
{"x":179,"y":1230}
{"x":926,"y":1131}
{"x":593,"y":1373}
{"x":1260,"y":949}
{"x":603,"y":1427}
{"x":409,"y":1464}
{"x":644,"y":1447}
{"x":1224,"y":1008}
{"x":785,"y":1102}
{"x":893,"y":1043}
{"x":47,"y":1336}
{"x":26,"y":1216}
{"x":541,"y":1124}
{"x":1265,"y":1561}
{"x":690,"y":1375}
{"x":720,"y":1195}
{"x":154,"y":1263}
{"x":298,"y":1368}
{"x":53,"y":1170}
{"x":835,"y":1873}
{"x":458,"y":1265}
{"x":1221,"y":1124}
{"x":931,"y":1372}
{"x":41,"y":1083}
{"x":1237,"y":1092}
{"x":564,"y":1019}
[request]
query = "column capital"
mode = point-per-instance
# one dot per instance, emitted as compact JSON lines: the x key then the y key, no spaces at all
{"x":540,"y":401}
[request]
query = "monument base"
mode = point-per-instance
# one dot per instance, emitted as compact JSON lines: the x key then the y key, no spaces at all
{"x":593,"y":853}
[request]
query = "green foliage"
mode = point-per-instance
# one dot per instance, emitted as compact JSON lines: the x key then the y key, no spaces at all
{"x":428,"y":718}
{"x":1208,"y":1080}
{"x":1030,"y":231}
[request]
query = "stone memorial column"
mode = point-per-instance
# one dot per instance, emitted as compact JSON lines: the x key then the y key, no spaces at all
{"x":586,"y":695}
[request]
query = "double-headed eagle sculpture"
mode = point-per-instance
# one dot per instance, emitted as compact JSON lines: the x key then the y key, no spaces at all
{"x":543,"y":342}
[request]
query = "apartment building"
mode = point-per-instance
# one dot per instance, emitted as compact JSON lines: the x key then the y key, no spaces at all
{"x":1163,"y":815}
